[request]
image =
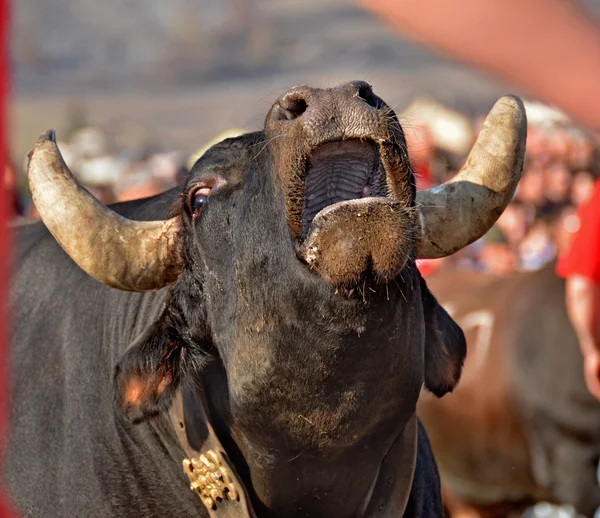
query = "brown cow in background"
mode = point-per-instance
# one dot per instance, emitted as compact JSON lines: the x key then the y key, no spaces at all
{"x":520,"y":427}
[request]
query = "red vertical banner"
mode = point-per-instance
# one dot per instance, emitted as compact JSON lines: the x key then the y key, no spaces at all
{"x":4,"y":216}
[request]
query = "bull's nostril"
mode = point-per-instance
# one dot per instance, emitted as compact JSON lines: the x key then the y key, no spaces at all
{"x":365,"y":92}
{"x":290,"y":107}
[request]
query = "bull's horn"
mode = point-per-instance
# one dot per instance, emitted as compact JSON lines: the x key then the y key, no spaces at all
{"x":455,"y":214}
{"x":121,"y":253}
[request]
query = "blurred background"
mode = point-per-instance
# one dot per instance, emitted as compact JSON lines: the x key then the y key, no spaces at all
{"x":135,"y":87}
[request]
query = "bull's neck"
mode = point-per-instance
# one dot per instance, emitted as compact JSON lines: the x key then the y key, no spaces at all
{"x":318,"y":388}
{"x":337,"y":480}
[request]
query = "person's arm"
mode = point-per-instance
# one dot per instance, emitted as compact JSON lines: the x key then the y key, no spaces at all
{"x":548,"y":48}
{"x":582,"y":298}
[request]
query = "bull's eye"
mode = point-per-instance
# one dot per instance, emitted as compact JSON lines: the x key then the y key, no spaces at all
{"x":199,"y":199}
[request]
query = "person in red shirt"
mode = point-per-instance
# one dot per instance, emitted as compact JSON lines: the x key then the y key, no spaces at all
{"x":580,"y":266}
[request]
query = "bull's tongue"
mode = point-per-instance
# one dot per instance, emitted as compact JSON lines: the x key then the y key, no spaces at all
{"x":338,"y":171}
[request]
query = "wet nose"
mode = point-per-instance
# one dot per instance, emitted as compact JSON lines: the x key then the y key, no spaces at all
{"x":301,"y":100}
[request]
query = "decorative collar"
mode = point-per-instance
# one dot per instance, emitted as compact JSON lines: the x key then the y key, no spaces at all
{"x":222,"y":492}
{"x":210,"y":473}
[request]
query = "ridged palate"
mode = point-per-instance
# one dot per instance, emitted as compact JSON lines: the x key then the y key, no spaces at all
{"x":340,"y":171}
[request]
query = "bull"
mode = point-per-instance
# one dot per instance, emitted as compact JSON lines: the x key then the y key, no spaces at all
{"x":521,"y":426}
{"x":260,"y":334}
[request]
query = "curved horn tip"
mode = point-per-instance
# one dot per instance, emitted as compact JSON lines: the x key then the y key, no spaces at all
{"x":511,"y":103}
{"x":48,"y":135}
{"x":514,"y":100}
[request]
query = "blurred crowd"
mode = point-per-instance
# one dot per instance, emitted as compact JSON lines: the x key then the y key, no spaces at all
{"x":560,"y":171}
{"x":112,"y":172}
{"x":559,"y":174}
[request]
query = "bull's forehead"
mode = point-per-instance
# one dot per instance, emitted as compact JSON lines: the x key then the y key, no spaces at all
{"x":230,"y":158}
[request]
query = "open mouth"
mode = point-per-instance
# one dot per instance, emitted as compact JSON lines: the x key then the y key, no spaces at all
{"x":341,"y":171}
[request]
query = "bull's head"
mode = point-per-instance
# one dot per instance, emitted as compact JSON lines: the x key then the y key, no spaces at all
{"x":279,"y":256}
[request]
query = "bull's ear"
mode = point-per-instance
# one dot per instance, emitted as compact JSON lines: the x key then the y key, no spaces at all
{"x":148,"y":373}
{"x":445,"y":346}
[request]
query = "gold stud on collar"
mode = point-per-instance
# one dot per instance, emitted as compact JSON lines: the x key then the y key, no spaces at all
{"x":210,"y":478}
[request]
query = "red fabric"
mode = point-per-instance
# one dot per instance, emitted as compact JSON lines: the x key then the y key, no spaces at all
{"x":4,"y":214}
{"x":422,"y":175}
{"x":583,"y":255}
{"x":427,"y":266}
